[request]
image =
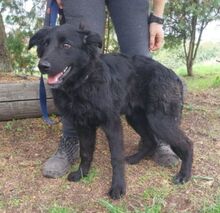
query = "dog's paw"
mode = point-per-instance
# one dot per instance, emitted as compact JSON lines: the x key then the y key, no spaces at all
{"x":181,"y":179}
{"x":133,"y":159}
{"x":74,"y":176}
{"x":117,"y":192}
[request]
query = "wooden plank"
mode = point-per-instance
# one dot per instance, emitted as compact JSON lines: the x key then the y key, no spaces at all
{"x":21,"y":91}
{"x":21,"y":100}
{"x":23,"y":109}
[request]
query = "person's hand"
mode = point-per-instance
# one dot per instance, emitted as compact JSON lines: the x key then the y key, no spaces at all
{"x":156,"y":36}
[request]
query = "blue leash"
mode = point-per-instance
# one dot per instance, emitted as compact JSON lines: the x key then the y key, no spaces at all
{"x":50,"y":20}
{"x":43,"y":102}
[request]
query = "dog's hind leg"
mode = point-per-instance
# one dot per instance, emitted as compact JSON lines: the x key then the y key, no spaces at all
{"x":87,"y":136}
{"x":113,"y":131}
{"x":168,"y":130}
{"x":148,"y":143}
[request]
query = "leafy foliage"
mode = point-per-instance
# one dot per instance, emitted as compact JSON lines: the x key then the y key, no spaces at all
{"x":110,"y":40}
{"x":22,"y":18}
{"x":185,"y":23}
{"x":22,"y":60}
{"x":23,"y":21}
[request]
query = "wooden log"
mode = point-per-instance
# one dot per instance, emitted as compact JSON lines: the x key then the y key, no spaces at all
{"x":21,"y":100}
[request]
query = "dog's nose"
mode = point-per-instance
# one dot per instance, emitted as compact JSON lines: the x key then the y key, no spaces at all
{"x":44,"y":66}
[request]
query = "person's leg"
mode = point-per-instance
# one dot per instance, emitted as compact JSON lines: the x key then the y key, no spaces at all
{"x":85,"y":13}
{"x":130,"y":21}
{"x":88,"y":14}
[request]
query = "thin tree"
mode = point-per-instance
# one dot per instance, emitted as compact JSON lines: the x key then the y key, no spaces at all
{"x":185,"y":23}
{"x":5,"y":64}
{"x":22,"y":22}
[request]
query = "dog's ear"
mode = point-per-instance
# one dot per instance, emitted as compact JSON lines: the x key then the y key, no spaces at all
{"x":92,"y":42}
{"x":37,"y":38}
{"x":93,"y":39}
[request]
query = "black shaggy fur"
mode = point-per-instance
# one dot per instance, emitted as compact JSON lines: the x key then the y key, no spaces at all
{"x":99,"y":88}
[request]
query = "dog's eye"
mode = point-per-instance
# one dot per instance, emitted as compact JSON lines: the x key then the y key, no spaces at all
{"x":66,"y":46}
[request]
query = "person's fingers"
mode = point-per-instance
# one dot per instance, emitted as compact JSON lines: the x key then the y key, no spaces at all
{"x":158,"y":42}
{"x":152,"y":41}
{"x":156,"y":36}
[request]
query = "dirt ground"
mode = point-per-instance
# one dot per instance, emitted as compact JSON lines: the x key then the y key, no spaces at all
{"x":26,"y":144}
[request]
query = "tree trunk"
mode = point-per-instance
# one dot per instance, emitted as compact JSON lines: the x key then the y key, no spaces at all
{"x":189,"y":68}
{"x":5,"y":64}
{"x":190,"y":60}
{"x":191,"y":48}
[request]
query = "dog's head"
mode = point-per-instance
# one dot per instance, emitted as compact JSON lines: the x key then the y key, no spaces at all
{"x":64,"y":51}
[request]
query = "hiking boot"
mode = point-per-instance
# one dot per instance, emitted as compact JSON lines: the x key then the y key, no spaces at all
{"x":59,"y":163}
{"x":164,"y":156}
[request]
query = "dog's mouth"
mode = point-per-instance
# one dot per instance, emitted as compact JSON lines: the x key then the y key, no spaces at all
{"x":58,"y":79}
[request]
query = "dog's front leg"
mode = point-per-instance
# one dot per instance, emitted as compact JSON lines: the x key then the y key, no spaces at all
{"x":87,"y":136}
{"x":113,"y":131}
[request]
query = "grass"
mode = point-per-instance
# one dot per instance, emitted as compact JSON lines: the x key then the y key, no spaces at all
{"x":15,"y":202}
{"x":58,"y":209}
{"x":90,"y":177}
{"x":205,"y":76}
{"x":112,"y":208}
{"x":13,"y":126}
{"x":214,"y":208}
{"x":156,"y":208}
{"x":9,"y":125}
{"x":2,"y":204}
{"x":153,"y":199}
{"x":156,"y":194}
{"x":93,"y":173}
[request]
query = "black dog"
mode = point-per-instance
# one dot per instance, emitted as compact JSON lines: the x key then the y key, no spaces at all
{"x":93,"y":90}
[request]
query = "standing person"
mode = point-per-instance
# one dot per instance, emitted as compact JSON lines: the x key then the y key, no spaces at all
{"x":138,"y":33}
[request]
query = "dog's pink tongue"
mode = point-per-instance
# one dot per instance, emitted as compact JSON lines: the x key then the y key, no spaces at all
{"x":54,"y":79}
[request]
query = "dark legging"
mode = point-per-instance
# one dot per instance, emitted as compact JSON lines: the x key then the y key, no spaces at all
{"x":130,"y":21}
